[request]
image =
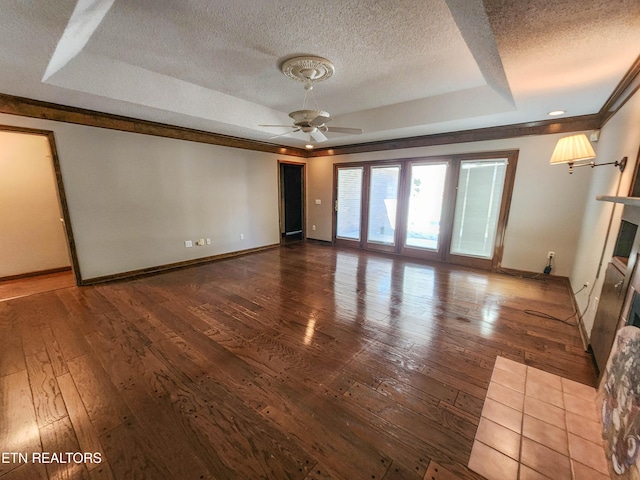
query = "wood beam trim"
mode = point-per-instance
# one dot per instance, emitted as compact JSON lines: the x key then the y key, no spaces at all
{"x":627,"y":87}
{"x":50,"y":111}
{"x":13,"y":105}
{"x":544,"y":127}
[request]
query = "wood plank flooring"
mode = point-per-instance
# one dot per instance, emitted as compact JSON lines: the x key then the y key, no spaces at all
{"x":303,"y":362}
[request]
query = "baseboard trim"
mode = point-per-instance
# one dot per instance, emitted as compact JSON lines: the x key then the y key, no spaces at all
{"x":532,"y":275}
{"x":35,"y":274}
{"x":560,"y":279}
{"x":317,"y":241}
{"x":144,"y":272}
{"x":583,"y":334}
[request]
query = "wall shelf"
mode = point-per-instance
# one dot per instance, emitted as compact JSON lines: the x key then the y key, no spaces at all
{"x":632,"y":201}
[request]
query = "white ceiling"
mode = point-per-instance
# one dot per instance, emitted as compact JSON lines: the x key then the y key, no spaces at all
{"x":403,"y":67}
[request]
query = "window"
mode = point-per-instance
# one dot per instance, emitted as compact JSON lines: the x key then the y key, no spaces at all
{"x":450,"y":209}
{"x":349,"y":203}
{"x":383,"y":202}
{"x":478,"y":200}
{"x":426,"y":190}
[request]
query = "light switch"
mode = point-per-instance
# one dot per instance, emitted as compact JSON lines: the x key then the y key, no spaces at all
{"x":318,"y":201}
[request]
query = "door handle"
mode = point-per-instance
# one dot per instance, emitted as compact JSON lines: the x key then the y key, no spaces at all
{"x":617,"y":285}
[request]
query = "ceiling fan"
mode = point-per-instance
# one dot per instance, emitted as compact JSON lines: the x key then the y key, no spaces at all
{"x":311,"y":121}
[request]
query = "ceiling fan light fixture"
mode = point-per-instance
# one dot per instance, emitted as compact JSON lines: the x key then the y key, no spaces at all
{"x":310,"y":69}
{"x":301,"y":117}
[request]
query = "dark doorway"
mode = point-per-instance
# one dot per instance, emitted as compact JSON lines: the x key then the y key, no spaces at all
{"x":292,"y":202}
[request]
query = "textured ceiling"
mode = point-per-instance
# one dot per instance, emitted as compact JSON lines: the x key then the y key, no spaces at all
{"x":403,"y":68}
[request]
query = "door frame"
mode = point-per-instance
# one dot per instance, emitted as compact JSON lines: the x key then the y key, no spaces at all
{"x":281,"y":199}
{"x":60,"y":191}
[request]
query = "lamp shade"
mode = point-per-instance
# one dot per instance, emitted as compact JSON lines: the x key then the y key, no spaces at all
{"x":573,"y":149}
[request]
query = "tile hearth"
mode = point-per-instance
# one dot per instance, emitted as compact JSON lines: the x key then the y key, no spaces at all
{"x":538,"y":426}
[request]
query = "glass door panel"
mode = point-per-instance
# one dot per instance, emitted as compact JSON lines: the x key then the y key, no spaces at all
{"x":383,"y":202}
{"x":349,"y":201}
{"x":478,"y":202}
{"x":424,"y":213}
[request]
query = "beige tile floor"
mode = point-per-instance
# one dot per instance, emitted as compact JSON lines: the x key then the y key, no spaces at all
{"x":538,"y":426}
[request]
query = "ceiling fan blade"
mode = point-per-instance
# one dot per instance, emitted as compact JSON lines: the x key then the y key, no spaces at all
{"x":287,"y":126}
{"x":319,"y":120}
{"x":318,"y":136}
{"x":285,"y":133}
{"x":352,"y":131}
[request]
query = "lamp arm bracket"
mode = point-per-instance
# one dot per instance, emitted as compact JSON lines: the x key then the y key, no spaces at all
{"x":620,"y":164}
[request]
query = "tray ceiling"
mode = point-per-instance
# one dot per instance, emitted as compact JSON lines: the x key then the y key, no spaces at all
{"x":403,"y":68}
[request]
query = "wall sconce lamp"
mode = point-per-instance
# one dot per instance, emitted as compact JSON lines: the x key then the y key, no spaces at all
{"x":576,"y":148}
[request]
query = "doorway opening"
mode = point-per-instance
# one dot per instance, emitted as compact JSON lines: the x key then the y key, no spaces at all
{"x":292,"y":180}
{"x":36,"y":239}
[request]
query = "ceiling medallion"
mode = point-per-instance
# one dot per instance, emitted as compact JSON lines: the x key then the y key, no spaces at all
{"x":308,"y":69}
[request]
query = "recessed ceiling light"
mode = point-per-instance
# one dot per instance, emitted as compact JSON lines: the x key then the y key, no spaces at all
{"x":556,"y":113}
{"x":309,"y":146}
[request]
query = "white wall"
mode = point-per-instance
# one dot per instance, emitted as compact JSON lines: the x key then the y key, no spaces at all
{"x":32,"y":238}
{"x":546,"y":207}
{"x":619,"y":137}
{"x":134,"y":199}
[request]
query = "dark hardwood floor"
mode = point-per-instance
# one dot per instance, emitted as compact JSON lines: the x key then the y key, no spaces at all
{"x":302,"y":362}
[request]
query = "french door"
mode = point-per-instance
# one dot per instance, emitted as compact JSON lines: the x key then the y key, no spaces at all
{"x":348,"y":218}
{"x":366,"y":206}
{"x":427,"y":208}
{"x":478,"y":202}
{"x":450,"y":209}
{"x":382,"y":207}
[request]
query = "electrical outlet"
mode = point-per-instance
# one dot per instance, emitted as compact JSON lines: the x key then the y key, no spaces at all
{"x":188,"y":243}
{"x":200,"y":242}
{"x":551,"y":254}
{"x":242,"y":236}
{"x":208,"y":241}
{"x":313,"y":227}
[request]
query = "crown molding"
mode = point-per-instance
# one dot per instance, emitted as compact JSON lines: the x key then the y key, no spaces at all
{"x":627,"y":87}
{"x":27,"y":107}
{"x":543,"y":127}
